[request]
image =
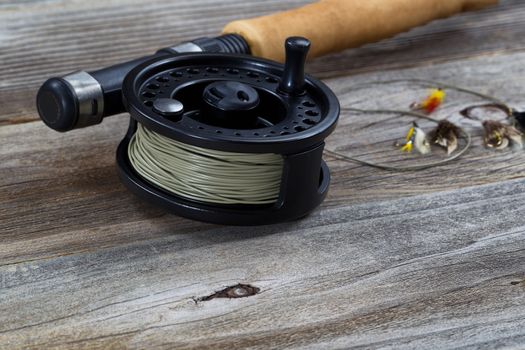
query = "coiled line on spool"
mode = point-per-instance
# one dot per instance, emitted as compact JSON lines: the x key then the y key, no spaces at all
{"x":205,"y":175}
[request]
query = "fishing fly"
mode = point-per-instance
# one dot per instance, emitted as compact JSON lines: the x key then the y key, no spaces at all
{"x":447,"y":135}
{"x":416,"y":138}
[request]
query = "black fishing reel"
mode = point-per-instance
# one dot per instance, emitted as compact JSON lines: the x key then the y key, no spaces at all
{"x":234,"y":104}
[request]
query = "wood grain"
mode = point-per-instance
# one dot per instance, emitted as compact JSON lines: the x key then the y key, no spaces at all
{"x":427,"y":260}
{"x":105,"y":269}
{"x":433,"y":271}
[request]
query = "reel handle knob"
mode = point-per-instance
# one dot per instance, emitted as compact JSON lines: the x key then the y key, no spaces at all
{"x":292,"y":82}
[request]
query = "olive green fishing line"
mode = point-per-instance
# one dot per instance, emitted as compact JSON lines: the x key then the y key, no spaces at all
{"x":422,"y":82}
{"x":407,"y":167}
{"x":203,"y":174}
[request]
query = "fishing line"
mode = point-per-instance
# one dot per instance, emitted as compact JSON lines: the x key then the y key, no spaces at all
{"x":458,"y":154}
{"x":429,"y":83}
{"x":203,"y":174}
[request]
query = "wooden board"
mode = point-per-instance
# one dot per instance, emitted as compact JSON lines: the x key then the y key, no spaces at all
{"x":422,"y":272}
{"x":425,"y":260}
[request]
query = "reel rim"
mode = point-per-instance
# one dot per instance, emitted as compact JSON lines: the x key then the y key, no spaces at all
{"x":280,"y":144}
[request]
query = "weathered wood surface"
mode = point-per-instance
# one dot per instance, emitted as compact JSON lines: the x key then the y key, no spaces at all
{"x":386,"y":262}
{"x":424,"y":272}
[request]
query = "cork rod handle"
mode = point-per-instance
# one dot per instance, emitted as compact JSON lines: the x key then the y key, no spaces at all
{"x":335,"y":25}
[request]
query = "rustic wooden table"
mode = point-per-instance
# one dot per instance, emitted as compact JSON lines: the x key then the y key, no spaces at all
{"x":432,"y":259}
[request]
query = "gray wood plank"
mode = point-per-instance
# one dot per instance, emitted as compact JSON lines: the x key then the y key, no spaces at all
{"x":433,"y":271}
{"x":87,"y":265}
{"x":389,"y":260}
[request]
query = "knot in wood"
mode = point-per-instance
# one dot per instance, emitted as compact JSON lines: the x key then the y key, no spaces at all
{"x":237,"y":291}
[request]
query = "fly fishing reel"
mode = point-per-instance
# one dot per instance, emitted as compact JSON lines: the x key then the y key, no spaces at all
{"x":226,"y":138}
{"x":219,"y":136}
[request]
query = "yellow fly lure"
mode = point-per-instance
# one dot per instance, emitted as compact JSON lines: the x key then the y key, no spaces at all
{"x":416,"y":138}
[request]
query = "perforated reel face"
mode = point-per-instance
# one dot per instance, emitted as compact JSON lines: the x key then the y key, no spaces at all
{"x":267,"y":121}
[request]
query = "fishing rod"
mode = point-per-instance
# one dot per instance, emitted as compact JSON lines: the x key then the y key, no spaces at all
{"x":220,"y":129}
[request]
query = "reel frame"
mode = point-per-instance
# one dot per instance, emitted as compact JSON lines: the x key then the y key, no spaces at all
{"x":302,"y":187}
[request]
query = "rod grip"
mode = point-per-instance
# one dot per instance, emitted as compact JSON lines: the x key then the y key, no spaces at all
{"x":336,"y":25}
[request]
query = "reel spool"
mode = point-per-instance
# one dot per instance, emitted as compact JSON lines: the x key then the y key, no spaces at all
{"x":228,"y":139}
